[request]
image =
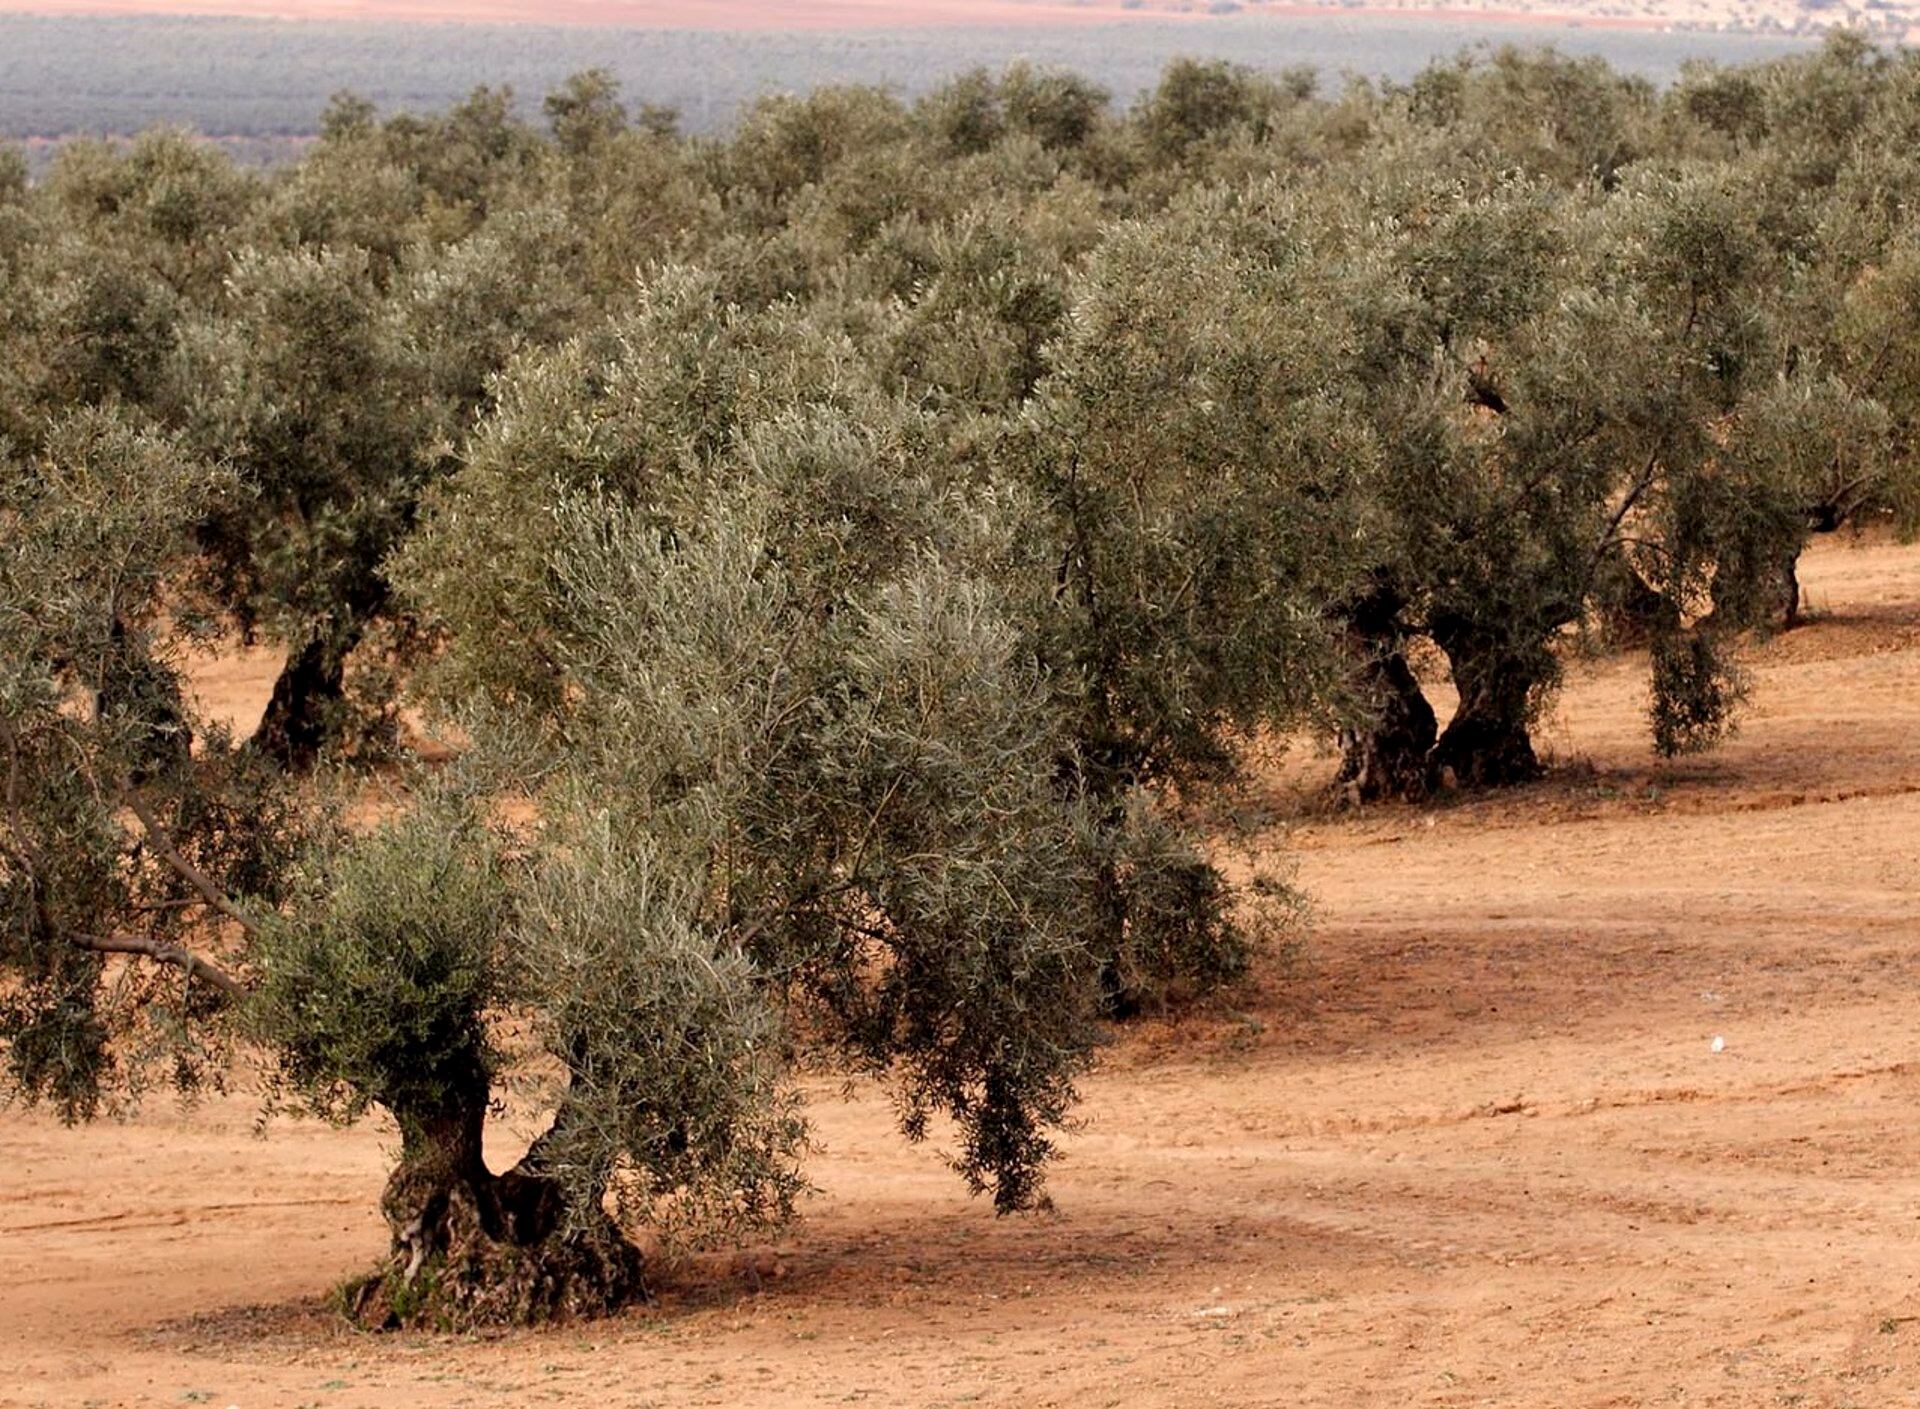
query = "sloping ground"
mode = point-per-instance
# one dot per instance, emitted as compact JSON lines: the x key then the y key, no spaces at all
{"x":1471,"y":1146}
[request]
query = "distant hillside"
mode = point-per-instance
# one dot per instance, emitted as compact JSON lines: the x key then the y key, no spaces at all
{"x":266,"y":79}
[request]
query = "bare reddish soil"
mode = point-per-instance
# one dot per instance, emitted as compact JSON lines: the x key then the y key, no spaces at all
{"x":1469,"y":1146}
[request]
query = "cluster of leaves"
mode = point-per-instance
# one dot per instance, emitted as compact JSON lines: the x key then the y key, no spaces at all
{"x":114,"y":817}
{"x":840,"y":551}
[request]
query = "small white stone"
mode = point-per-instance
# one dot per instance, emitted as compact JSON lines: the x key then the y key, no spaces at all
{"x":1719,"y":1044}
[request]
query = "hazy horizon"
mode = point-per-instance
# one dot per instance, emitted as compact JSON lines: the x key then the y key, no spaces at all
{"x":267,"y":80}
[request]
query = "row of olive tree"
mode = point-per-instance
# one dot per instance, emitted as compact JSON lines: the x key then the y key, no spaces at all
{"x":839,"y":552}
{"x":331,"y":332}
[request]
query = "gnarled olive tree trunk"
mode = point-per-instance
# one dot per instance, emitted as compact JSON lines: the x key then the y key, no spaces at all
{"x":1488,"y":743}
{"x":1385,"y":754}
{"x":1789,"y":589}
{"x":302,"y":712}
{"x":471,"y":1247}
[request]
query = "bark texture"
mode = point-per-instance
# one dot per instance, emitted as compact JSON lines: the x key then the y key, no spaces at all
{"x":1488,"y":743}
{"x":1385,"y":756}
{"x":474,"y":1248}
{"x":302,"y":713}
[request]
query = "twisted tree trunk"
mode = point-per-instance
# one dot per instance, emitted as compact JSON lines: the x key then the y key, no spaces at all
{"x":473,"y":1248}
{"x":1488,"y":743}
{"x":1385,"y":755}
{"x":302,"y":713}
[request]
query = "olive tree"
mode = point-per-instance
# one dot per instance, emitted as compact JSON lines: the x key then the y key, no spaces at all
{"x":796,"y":780}
{"x":1838,"y":429}
{"x":971,"y":113}
{"x":1548,"y":114}
{"x":1827,"y":142}
{"x":1557,"y":383}
{"x":1191,"y":457}
{"x":337,"y":387}
{"x":126,"y":830}
{"x":104,"y":261}
{"x":301,"y":381}
{"x":793,"y":765}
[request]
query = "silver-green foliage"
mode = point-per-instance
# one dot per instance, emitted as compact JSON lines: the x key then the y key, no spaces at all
{"x":121,"y":832}
{"x":762,"y":664}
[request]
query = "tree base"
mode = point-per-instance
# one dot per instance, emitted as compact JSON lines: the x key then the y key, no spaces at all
{"x":1790,"y":593}
{"x":1488,"y":743}
{"x":302,"y":713}
{"x":1477,"y":753}
{"x":1387,"y":757}
{"x":449,"y":1273}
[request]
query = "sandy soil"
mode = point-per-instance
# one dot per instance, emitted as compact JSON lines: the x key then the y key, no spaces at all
{"x":1471,"y":1146}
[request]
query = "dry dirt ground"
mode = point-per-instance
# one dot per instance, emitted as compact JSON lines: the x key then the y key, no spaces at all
{"x":1471,"y":1146}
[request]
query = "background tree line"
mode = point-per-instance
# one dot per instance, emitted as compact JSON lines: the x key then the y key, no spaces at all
{"x":839,"y":553}
{"x":259,"y":85}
